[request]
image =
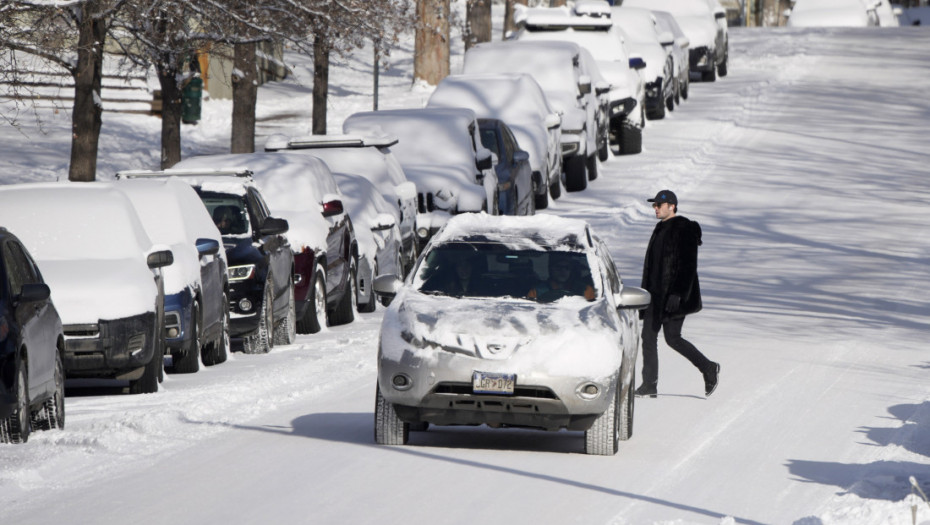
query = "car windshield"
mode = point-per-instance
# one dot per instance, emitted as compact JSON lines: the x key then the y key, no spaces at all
{"x":228,"y":211}
{"x":468,"y":269}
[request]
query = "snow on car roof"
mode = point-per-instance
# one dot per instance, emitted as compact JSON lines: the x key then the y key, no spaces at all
{"x":512,"y":97}
{"x":539,"y":232}
{"x":638,"y":24}
{"x":561,"y":17}
{"x":430,"y":136}
{"x":676,"y":7}
{"x":66,"y":221}
{"x":232,"y":180}
{"x":282,"y":142}
{"x":292,"y":184}
{"x":549,"y":62}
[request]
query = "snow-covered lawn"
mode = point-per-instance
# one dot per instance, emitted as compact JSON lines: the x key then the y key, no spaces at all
{"x":807,"y":168}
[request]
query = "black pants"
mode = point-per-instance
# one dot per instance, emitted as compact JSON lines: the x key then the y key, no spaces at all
{"x":672,"y":330}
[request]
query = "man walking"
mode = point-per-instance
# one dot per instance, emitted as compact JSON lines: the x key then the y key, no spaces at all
{"x":670,"y":275}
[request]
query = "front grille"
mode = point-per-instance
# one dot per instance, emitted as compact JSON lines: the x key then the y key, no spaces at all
{"x":537,"y":392}
{"x":82,"y":330}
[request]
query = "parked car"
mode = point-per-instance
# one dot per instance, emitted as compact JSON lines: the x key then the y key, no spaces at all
{"x":380,"y":247}
{"x":196,"y":285}
{"x":557,"y":67}
{"x":301,"y":189}
{"x":644,"y":39}
{"x":261,"y":266}
{"x":623,"y":119}
{"x":723,"y":34}
{"x":678,"y":48}
{"x":518,"y":100}
{"x":833,"y":13}
{"x":514,"y":174}
{"x":708,"y":52}
{"x":104,"y":273}
{"x":32,"y":375}
{"x":545,"y":335}
{"x":442,"y":154}
{"x":370,"y":157}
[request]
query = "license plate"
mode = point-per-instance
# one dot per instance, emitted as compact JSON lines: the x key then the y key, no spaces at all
{"x":493,"y":383}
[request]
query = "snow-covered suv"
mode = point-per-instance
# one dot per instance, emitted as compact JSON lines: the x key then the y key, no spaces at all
{"x":104,"y":273}
{"x":544,"y":335}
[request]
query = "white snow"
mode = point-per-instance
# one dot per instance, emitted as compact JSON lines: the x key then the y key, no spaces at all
{"x":807,"y":169}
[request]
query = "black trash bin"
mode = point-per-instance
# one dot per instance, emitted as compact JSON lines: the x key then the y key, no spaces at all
{"x":191,"y":97}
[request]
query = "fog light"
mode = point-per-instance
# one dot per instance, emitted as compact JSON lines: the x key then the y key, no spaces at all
{"x":423,"y":232}
{"x":245,"y":305}
{"x":172,"y":333}
{"x":401,"y":382}
{"x":588,"y":391}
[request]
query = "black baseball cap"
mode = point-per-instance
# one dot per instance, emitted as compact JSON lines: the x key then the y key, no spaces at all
{"x":664,"y":196}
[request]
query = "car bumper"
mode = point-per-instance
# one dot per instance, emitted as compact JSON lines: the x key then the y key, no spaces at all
{"x":118,"y":348}
{"x":177,"y":321}
{"x":245,"y":306}
{"x":701,"y":59}
{"x":9,"y":367}
{"x":442,"y":394}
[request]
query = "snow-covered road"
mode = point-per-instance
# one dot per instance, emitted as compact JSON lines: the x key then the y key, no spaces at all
{"x":807,"y":167}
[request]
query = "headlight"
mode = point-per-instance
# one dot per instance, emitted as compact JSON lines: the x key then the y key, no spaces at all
{"x":622,"y":107}
{"x":241,"y":273}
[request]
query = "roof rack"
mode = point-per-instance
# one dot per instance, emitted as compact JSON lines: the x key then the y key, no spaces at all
{"x":195,"y":172}
{"x":278,"y":142}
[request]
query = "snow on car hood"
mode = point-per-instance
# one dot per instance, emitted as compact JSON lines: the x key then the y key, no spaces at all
{"x":621,"y":78}
{"x":88,"y":290}
{"x":453,"y":185}
{"x":654,"y":56}
{"x":701,"y":31}
{"x":565,"y":102}
{"x":571,"y":336}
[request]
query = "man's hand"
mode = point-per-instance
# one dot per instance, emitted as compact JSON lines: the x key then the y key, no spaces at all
{"x":672,"y":304}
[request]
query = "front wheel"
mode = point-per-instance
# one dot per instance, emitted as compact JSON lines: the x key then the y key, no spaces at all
{"x":314,"y":318}
{"x":286,"y":331}
{"x":722,"y":69}
{"x":52,"y":413}
{"x":626,"y":415}
{"x":576,"y":176}
{"x":603,"y":438}
{"x":148,"y":383}
{"x":261,"y":340}
{"x":217,"y":351}
{"x":345,"y":311}
{"x":631,"y":139}
{"x":188,"y":360}
{"x":389,"y":429}
{"x":15,"y":429}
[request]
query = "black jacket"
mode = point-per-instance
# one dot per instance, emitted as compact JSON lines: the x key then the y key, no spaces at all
{"x":670,"y":268}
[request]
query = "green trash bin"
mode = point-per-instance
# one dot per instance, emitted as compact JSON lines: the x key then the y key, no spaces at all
{"x":191,"y":97}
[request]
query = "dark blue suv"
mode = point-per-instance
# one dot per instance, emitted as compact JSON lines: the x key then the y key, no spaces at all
{"x":32,"y":392}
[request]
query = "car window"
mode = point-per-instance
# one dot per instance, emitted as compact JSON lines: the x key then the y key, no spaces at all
{"x":489,"y":140}
{"x":613,"y":277}
{"x":257,"y":207}
{"x":17,"y":267}
{"x":228,"y":212}
{"x":467,"y":269}
{"x":510,"y":144}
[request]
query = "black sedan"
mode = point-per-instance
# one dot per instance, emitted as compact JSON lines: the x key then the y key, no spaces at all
{"x":32,"y":395}
{"x":514,"y":174}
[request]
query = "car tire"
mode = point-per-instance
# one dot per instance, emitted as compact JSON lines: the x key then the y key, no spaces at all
{"x":314,"y":318}
{"x":670,"y":103}
{"x":603,"y":153}
{"x":261,"y":341}
{"x":148,"y":383}
{"x":709,"y":76}
{"x":591,"y":166}
{"x":285,"y":332}
{"x":631,"y":139}
{"x":389,"y":429}
{"x":626,"y":415}
{"x":685,"y":89}
{"x":345,"y":310}
{"x":658,"y":113}
{"x":555,"y":189}
{"x":603,"y":438}
{"x":722,"y":68}
{"x":217,"y":351}
{"x":16,"y":427}
{"x":541,"y":200}
{"x":372,"y":303}
{"x":576,"y":176}
{"x":52,"y":413}
{"x":677,"y":91}
{"x":188,"y":361}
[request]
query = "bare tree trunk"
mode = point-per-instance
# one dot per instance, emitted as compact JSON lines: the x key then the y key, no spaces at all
{"x":431,"y":55}
{"x":556,"y":3}
{"x":86,"y":114}
{"x":245,"y":97}
{"x":477,"y":22}
{"x":320,"y":84}
{"x":509,"y":25}
{"x":170,"y":111}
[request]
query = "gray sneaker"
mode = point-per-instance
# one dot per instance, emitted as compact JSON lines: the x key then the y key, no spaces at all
{"x":710,"y":379}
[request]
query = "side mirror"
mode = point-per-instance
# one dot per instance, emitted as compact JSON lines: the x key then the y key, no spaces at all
{"x":637,"y":63}
{"x":274,"y":226}
{"x":386,"y":286}
{"x":485,"y":162}
{"x":666,"y":38}
{"x":521,"y":156}
{"x":332,"y":208}
{"x":32,"y":292}
{"x":553,"y":120}
{"x":601,"y":88}
{"x":584,"y":84}
{"x":718,"y":15}
{"x":207,"y":247}
{"x":683,"y":41}
{"x":383,"y":221}
{"x":160,"y":259}
{"x":632,"y":298}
